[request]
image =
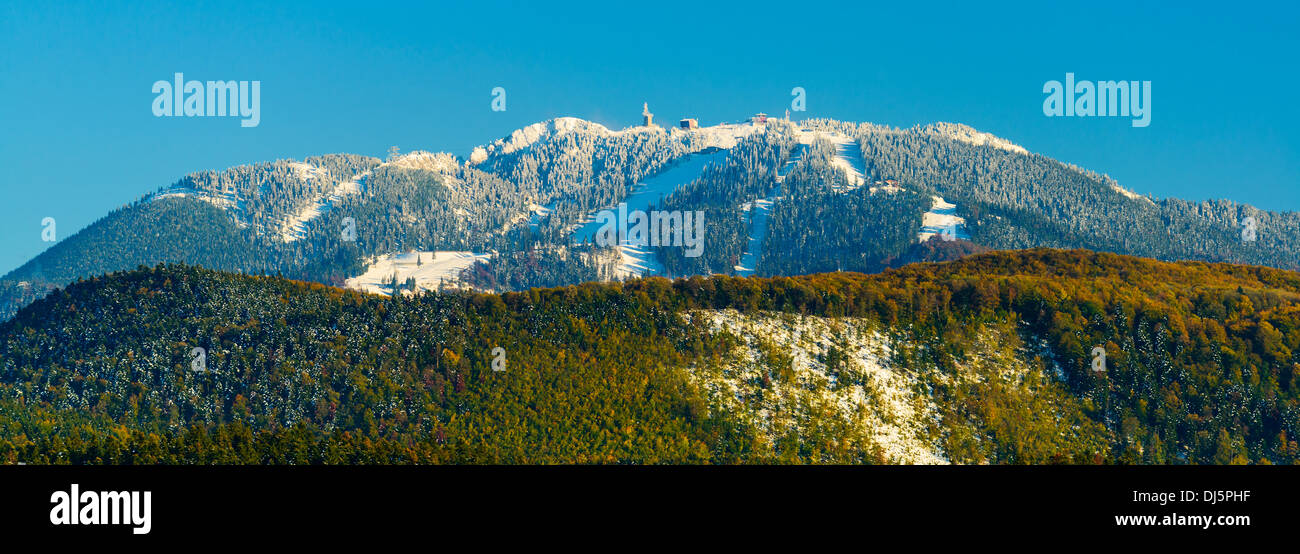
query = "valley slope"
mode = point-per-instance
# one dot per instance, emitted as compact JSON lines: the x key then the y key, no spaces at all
{"x":985,"y":360}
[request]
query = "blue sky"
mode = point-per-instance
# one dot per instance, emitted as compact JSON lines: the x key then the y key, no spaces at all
{"x":80,"y":139}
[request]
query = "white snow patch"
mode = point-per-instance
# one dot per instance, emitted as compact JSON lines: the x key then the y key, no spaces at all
{"x":941,"y":216}
{"x":1128,"y":193}
{"x":431,"y":270}
{"x":637,"y":261}
{"x":307,"y":171}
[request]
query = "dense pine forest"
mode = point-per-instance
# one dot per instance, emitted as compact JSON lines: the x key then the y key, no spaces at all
{"x":991,"y":359}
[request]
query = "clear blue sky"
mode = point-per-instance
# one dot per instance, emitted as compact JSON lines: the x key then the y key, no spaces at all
{"x":79,"y":137}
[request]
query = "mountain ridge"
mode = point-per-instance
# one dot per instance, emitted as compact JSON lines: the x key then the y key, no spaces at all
{"x":519,"y":201}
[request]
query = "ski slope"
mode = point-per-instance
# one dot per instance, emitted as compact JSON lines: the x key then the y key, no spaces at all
{"x":294,"y":227}
{"x":848,"y":157}
{"x":762,"y":210}
{"x":639,"y":260}
{"x":942,"y":215}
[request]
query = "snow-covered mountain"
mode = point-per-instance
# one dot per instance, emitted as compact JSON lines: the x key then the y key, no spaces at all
{"x":780,"y":197}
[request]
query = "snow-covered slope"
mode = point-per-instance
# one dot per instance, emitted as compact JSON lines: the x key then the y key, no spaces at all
{"x":526,"y":136}
{"x":431,"y":270}
{"x":229,"y":201}
{"x":778,"y":378}
{"x":942,"y":215}
{"x":226,"y":200}
{"x":848,"y":157}
{"x":761,"y":209}
{"x":640,"y":261}
{"x":439,"y":162}
{"x":848,"y":154}
{"x":294,"y":226}
{"x":724,"y":135}
{"x":1130,"y":194}
{"x":790,"y":376}
{"x":965,"y":133}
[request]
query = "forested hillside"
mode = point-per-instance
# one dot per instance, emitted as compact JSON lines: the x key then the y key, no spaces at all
{"x":986,"y":360}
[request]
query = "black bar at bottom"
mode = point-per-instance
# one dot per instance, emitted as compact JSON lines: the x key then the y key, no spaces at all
{"x":237,"y":503}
